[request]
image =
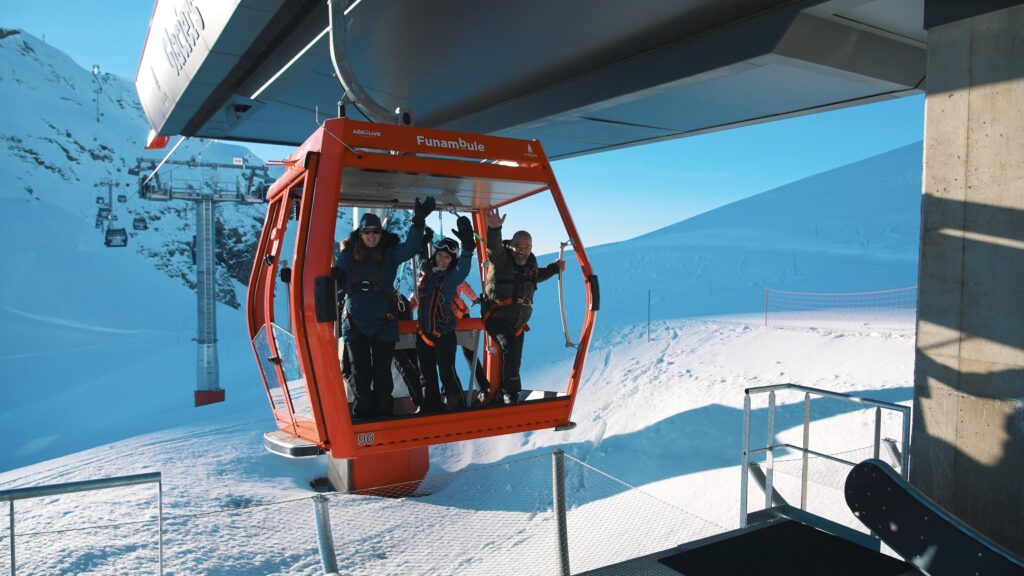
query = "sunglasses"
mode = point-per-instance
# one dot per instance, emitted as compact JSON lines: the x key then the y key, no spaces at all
{"x":370,"y":230}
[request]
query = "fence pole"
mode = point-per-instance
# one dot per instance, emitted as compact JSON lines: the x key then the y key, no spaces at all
{"x":558,"y":489}
{"x":325,"y":539}
{"x":12,"y":537}
{"x":765,"y":305}
{"x":807,"y":445}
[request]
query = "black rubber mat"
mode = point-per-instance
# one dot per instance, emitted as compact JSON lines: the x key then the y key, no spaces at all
{"x":787,"y":548}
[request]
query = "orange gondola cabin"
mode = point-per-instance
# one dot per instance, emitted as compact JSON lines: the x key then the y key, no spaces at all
{"x":292,"y":300}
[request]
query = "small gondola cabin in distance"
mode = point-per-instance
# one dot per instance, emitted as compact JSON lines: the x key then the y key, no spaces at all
{"x":349,"y":163}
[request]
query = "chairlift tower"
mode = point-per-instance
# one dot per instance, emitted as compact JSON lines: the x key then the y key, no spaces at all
{"x":248,"y":188}
{"x":96,"y":91}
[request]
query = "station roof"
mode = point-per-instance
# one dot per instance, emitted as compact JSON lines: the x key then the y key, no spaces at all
{"x":580,"y":77}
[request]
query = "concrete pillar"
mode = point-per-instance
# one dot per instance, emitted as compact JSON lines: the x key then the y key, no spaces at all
{"x":967,"y":452}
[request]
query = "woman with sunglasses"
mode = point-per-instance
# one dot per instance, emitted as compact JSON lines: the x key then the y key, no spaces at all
{"x":435,"y":348}
{"x":368,"y":264}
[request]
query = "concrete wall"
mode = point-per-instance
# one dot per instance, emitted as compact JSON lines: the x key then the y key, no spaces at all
{"x":968,"y":437}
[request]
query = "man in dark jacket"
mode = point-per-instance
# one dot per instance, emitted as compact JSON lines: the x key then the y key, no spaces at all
{"x":509,"y":287}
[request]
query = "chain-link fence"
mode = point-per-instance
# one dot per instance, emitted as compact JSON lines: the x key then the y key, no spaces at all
{"x":110,"y":531}
{"x":493,"y":519}
{"x":487,"y":519}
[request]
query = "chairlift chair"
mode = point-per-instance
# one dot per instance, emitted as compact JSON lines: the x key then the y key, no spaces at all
{"x":103,"y":212}
{"x":386,"y":166}
{"x":139,"y":223}
{"x":101,"y":200}
{"x":116,"y":238}
{"x":122,"y":198}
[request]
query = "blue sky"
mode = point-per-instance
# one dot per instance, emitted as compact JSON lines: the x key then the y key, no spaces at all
{"x":614,"y":195}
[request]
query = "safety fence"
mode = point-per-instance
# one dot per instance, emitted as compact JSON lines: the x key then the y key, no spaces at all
{"x":808,"y":470}
{"x":494,"y":519}
{"x":884,"y":310}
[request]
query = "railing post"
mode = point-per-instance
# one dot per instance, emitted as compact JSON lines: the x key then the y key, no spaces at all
{"x":558,"y":490}
{"x":770,"y":472}
{"x":807,"y":445}
{"x":878,"y":431}
{"x":325,"y":540}
{"x":160,"y":524}
{"x":12,"y":537}
{"x":745,"y":463}
{"x":905,"y":461}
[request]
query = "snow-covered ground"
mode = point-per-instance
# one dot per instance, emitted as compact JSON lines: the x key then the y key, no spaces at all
{"x":99,"y":367}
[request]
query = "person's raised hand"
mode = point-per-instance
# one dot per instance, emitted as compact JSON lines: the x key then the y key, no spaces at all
{"x":421,"y":210}
{"x":464,"y":232}
{"x":494,"y":220}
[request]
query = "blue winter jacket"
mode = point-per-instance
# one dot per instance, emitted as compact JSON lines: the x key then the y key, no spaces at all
{"x":370,"y":285}
{"x":435,"y":293}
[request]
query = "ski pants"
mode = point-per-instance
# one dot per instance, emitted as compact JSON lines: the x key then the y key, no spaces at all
{"x":511,"y":345}
{"x":439,"y":358}
{"x":371,"y":370}
{"x":407,"y":365}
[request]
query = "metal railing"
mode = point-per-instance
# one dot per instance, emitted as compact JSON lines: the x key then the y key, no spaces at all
{"x":84,"y":486}
{"x":805,"y":450}
{"x":530,"y":515}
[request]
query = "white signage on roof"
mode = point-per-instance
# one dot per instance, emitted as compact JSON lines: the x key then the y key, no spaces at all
{"x":457,"y":144}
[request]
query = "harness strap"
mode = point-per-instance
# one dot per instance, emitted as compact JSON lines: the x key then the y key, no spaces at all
{"x":508,"y":302}
{"x":365,"y":285}
{"x":426,"y":340}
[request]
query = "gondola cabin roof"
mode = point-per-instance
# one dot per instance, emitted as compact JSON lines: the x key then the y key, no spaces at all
{"x":391,"y":166}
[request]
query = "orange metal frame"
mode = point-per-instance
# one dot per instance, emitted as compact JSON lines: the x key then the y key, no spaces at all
{"x":318,"y":167}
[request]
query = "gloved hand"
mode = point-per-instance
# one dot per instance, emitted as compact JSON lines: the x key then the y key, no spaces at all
{"x":425,"y":243}
{"x":464,"y":233}
{"x":422,"y":210}
{"x":475,"y":302}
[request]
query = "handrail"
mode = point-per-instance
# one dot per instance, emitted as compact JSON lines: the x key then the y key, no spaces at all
{"x":84,"y":486}
{"x":561,"y":293}
{"x":805,"y":450}
{"x":827,"y":394}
